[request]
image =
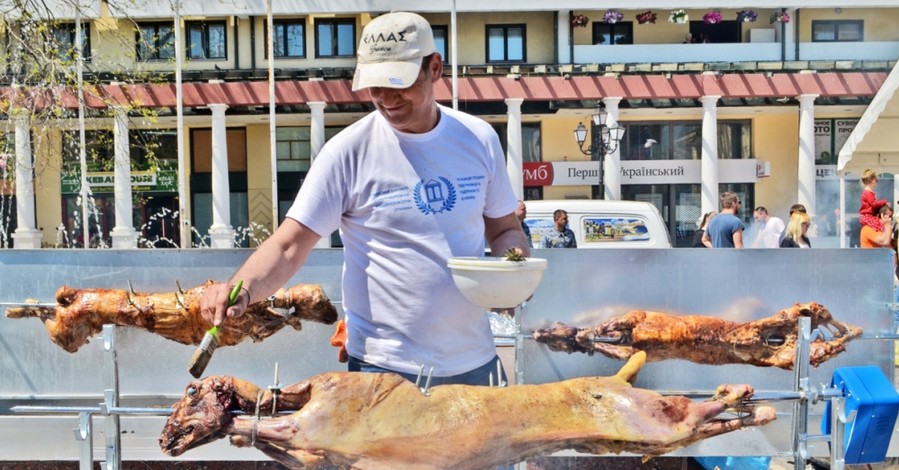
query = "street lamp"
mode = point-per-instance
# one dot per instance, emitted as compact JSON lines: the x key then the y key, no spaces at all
{"x":605,"y":139}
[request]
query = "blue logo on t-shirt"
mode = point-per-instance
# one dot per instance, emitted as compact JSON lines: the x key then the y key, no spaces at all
{"x":434,"y":197}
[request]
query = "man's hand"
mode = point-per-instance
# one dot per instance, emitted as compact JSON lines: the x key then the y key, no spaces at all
{"x":214,"y":303}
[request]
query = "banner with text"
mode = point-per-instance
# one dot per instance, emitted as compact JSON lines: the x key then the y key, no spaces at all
{"x":561,"y":173}
{"x":638,"y":172}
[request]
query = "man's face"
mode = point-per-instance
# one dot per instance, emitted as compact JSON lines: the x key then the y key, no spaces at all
{"x":760,"y":216}
{"x":410,"y":109}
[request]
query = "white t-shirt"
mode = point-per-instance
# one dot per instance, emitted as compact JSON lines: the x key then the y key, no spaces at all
{"x":769,"y":235}
{"x":405,"y":204}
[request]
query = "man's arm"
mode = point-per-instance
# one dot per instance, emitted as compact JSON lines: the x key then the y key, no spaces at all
{"x":885,"y":236}
{"x":266,"y":270}
{"x":503,"y":233}
{"x":738,"y":239}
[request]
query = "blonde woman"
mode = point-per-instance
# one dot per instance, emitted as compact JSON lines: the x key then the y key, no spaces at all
{"x":795,"y":233}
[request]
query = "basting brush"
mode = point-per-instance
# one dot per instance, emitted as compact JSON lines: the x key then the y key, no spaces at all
{"x":203,"y":354}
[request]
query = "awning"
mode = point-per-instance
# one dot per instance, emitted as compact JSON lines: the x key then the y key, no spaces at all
{"x":471,"y":89}
{"x":874,"y":143}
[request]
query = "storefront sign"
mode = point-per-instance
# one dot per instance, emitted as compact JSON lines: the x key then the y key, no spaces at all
{"x":561,"y":173}
{"x":638,"y":172}
{"x":686,"y":171}
{"x":829,"y":172}
{"x":104,"y":181}
{"x":830,"y":135}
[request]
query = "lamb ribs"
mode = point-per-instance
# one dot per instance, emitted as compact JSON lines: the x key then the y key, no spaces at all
{"x":766,"y":342}
{"x":81,"y":314}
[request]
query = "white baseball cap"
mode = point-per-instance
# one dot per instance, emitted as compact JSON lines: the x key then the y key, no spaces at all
{"x":391,"y":49}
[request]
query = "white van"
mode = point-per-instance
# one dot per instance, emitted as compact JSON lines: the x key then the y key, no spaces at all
{"x":598,"y":223}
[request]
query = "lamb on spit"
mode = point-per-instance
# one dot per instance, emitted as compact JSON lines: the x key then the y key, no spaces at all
{"x":81,"y":314}
{"x":705,"y":340}
{"x":381,"y":421}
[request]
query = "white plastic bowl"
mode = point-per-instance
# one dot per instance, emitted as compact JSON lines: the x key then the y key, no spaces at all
{"x":495,"y":282}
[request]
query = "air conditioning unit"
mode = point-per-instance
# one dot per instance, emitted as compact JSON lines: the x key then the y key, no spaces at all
{"x":762,"y":169}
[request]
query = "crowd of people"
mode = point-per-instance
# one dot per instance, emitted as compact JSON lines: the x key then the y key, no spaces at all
{"x":726,"y":229}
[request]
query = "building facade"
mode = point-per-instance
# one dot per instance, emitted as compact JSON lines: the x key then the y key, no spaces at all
{"x":173,"y":116}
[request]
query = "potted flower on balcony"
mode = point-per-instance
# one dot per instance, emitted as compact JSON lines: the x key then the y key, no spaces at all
{"x":747,"y":16}
{"x":579,"y":21}
{"x":780,"y":17}
{"x":612,"y":17}
{"x":647,"y":17}
{"x":678,"y":16}
{"x":712,"y":17}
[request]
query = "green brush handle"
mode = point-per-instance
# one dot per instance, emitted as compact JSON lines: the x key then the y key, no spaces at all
{"x":235,"y":292}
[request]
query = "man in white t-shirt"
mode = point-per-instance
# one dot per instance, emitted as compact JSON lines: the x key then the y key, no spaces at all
{"x":409,"y":186}
{"x":770,"y":229}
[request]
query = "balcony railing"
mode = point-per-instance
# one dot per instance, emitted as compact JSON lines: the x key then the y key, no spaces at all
{"x":733,"y":52}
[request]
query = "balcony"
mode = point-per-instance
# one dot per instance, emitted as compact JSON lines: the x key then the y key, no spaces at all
{"x":734,"y":52}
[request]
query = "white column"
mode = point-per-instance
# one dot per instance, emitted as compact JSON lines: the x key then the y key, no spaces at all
{"x":563,"y":28}
{"x":611,"y":171}
{"x":26,"y":235}
{"x":221,"y":233}
{"x":709,"y":184}
{"x":316,"y":142}
{"x":123,"y":234}
{"x":789,"y":38}
{"x":317,"y":127}
{"x":514,"y":160}
{"x":806,"y":175}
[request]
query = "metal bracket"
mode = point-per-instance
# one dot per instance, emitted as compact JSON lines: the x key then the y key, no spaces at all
{"x":276,"y":391}
{"x":426,"y":390}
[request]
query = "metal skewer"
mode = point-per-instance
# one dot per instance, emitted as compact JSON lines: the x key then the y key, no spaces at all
{"x":28,"y":304}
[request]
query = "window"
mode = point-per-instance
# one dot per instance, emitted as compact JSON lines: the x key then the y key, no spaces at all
{"x":506,"y":43}
{"x":64,"y":40}
{"x":99,"y":150}
{"x":531,"y":142}
{"x":682,"y":140}
{"x":294,"y":147}
{"x":290,"y":38}
{"x":727,"y":31}
{"x":206,"y":40}
{"x":155,"y":41}
{"x":615,"y":33}
{"x":838,"y":30}
{"x":335,"y":38}
{"x":441,"y":41}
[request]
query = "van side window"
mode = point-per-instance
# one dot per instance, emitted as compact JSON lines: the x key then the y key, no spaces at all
{"x":614,"y":229}
{"x":539,"y":227}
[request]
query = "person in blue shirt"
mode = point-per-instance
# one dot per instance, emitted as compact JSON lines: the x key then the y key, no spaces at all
{"x":726,"y":229}
{"x":560,"y":236}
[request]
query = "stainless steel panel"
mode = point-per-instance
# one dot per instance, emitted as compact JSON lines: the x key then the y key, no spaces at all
{"x":581,"y":287}
{"x":586,"y":287}
{"x":31,"y":365}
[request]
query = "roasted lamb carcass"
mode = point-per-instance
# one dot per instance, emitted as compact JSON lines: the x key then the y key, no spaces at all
{"x":81,"y":313}
{"x":705,"y":340}
{"x":381,"y":421}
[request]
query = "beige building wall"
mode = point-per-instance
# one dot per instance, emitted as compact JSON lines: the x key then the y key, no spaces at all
{"x":775,"y":138}
{"x":47,"y":143}
{"x":472,"y":34}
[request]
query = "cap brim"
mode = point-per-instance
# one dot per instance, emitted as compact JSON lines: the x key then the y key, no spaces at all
{"x":386,"y":74}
